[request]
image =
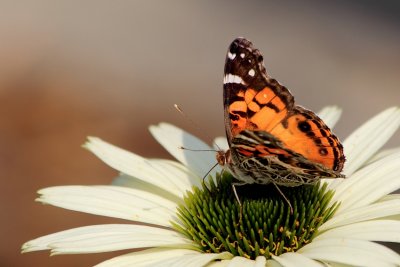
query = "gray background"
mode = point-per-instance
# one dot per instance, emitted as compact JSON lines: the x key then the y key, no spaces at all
{"x":69,"y":69}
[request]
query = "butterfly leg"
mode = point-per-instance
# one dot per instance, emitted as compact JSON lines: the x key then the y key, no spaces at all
{"x":284,"y":197}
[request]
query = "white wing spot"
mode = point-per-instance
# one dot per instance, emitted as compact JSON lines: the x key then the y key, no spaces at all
{"x":231,"y":56}
{"x":242,"y":55}
{"x":230,"y":78}
{"x":265,"y":95}
{"x":252,"y":72}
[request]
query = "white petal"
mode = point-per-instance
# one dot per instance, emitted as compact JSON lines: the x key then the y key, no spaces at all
{"x":369,"y":184}
{"x":164,"y":257}
{"x":103,"y":238}
{"x":193,"y":260}
{"x":390,"y":197}
{"x":370,"y":212}
{"x":367,"y":139}
{"x":240,"y":261}
{"x":146,"y":257}
{"x":132,"y":164}
{"x":243,"y":262}
{"x":173,"y":139}
{"x":383,"y":154}
{"x":291,"y":259}
{"x":112,"y":201}
{"x":272,"y":263}
{"x":378,"y":230}
{"x":350,"y":251}
{"x":178,"y":174}
{"x":223,"y":263}
{"x":335,"y":264}
{"x":125,"y":180}
{"x":260,"y":261}
{"x":330,"y":115}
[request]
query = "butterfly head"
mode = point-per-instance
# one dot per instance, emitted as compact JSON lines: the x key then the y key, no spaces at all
{"x":223,"y":157}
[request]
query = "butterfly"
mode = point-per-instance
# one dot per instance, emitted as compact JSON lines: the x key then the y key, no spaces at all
{"x":271,"y":139}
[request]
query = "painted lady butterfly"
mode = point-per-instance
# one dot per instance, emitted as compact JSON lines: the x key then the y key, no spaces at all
{"x":271,"y":139}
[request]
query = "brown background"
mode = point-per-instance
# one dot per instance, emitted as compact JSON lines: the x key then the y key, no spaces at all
{"x":111,"y":68}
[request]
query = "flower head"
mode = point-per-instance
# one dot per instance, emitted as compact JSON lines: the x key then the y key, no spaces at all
{"x":334,"y":222}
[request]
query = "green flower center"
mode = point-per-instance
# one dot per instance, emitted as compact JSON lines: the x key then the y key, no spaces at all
{"x":213,"y":218}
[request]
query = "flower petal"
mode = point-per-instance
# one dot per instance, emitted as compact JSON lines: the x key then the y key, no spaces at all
{"x":164,"y":257}
{"x":370,"y":212}
{"x":272,"y":263}
{"x":378,"y":230}
{"x":132,"y":164}
{"x":291,"y":259}
{"x":330,"y":115}
{"x":244,"y":262}
{"x":146,"y":257}
{"x":343,"y":250}
{"x":125,"y":180}
{"x":178,"y":174}
{"x":367,"y":139}
{"x":104,"y":238}
{"x":335,"y":264}
{"x":382,"y":154}
{"x":194,"y":260}
{"x":390,"y":197}
{"x":173,"y":139}
{"x":238,"y":262}
{"x":369,"y":184}
{"x":112,"y":201}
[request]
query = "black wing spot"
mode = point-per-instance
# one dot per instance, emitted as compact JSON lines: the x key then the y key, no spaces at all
{"x":317,"y":124}
{"x":234,"y":117}
{"x":304,"y":126}
{"x":324,"y":133}
{"x":323,"y":151}
{"x":272,"y":106}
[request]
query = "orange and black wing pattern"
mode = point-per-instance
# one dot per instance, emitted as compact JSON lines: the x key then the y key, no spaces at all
{"x":255,"y":102}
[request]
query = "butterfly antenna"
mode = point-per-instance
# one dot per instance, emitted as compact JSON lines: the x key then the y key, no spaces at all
{"x":198,"y":150}
{"x":286,"y":199}
{"x":178,"y":108}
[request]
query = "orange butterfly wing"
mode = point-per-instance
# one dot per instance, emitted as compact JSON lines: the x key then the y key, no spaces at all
{"x":253,"y":101}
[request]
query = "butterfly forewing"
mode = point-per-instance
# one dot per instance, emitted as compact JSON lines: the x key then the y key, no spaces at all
{"x":252,"y":100}
{"x":271,"y":139}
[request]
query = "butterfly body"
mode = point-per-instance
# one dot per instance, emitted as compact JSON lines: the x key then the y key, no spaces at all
{"x":271,"y":139}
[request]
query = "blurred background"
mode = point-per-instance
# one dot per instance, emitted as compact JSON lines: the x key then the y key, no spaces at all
{"x":71,"y":69}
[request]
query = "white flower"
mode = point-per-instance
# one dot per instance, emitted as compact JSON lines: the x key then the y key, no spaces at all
{"x":150,"y":190}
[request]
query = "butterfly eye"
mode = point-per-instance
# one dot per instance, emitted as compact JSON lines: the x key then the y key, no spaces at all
{"x":260,"y":58}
